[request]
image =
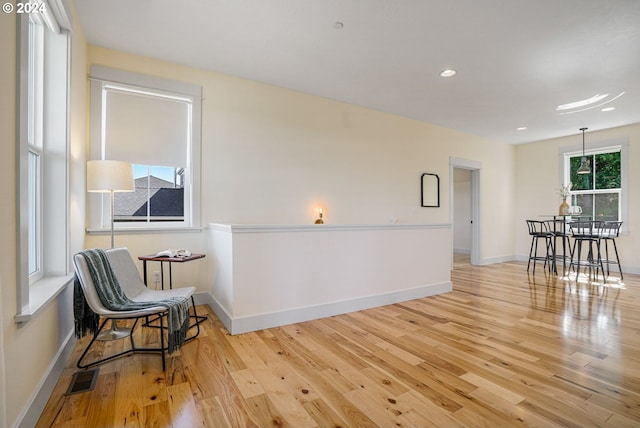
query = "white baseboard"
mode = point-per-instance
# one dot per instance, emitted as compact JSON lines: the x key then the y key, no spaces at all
{"x":202,"y":298}
{"x":276,"y":319}
{"x":35,"y":406}
{"x":500,"y":259}
{"x":208,"y":299}
{"x":633,"y":269}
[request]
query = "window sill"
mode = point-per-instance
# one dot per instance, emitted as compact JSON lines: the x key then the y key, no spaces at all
{"x":141,"y":230}
{"x":41,"y":293}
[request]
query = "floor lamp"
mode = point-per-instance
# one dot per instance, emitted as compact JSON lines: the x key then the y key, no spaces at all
{"x":108,"y":176}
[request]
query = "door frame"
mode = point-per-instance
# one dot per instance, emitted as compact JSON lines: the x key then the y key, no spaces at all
{"x":474,"y":167}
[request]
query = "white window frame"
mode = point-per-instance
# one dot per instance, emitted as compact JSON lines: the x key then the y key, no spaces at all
{"x":35,"y":229}
{"x":44,"y":131}
{"x":35,"y":128}
{"x":607,"y":146}
{"x":99,"y":211}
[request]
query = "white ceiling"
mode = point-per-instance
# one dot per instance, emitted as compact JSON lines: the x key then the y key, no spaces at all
{"x":516,"y":59}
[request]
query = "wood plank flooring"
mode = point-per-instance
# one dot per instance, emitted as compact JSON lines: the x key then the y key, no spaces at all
{"x":461,"y":260}
{"x":504,"y":349}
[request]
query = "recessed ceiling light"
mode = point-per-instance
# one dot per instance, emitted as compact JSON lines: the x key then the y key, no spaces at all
{"x":522,"y":128}
{"x":449,"y":72}
{"x":338,"y":25}
{"x":608,"y":108}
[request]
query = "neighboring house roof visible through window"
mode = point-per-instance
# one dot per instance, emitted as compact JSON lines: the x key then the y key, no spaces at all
{"x":164,"y":198}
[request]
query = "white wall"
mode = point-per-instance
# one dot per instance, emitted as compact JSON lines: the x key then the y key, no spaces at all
{"x":272,"y":156}
{"x":268,"y":276}
{"x":538,"y":178}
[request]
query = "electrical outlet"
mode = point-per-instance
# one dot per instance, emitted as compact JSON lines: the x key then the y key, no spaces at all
{"x":156,"y":276}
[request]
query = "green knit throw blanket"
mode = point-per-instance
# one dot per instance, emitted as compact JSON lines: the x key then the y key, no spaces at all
{"x":114,"y":299}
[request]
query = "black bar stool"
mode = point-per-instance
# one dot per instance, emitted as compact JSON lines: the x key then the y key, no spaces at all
{"x":539,"y":230}
{"x":609,"y":231}
{"x":586,"y":232}
{"x":558,"y":228}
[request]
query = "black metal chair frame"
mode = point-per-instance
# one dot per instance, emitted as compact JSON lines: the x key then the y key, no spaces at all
{"x":558,"y":228}
{"x":586,"y":231}
{"x":132,"y":285}
{"x":134,"y":349}
{"x":609,"y":231}
{"x":539,"y":230}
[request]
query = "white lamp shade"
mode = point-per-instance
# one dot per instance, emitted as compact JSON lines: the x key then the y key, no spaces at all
{"x":108,"y":175}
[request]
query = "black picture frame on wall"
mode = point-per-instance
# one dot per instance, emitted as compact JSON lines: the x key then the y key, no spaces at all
{"x":430,"y":190}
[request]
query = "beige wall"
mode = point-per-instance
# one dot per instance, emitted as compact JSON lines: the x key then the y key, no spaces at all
{"x":268,"y":156}
{"x":7,"y":194}
{"x":30,"y":349}
{"x":538,"y":178}
{"x":271,"y":156}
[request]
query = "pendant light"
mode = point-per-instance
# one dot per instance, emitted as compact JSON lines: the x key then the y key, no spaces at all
{"x":584,"y":168}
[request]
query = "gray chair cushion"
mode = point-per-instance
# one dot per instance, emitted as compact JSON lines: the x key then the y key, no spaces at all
{"x":129,"y":279}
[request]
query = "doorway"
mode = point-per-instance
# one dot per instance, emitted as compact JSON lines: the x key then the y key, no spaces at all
{"x":465,"y":211}
{"x":461,"y":217}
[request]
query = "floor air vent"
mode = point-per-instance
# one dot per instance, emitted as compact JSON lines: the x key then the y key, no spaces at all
{"x":83,"y":381}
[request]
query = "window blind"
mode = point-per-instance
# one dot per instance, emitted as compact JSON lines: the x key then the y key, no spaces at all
{"x":145,"y":128}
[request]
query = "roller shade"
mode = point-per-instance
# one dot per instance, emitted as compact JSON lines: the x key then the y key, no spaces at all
{"x":145,"y":128}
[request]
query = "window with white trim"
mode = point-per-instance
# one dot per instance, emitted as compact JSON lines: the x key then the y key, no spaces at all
{"x":43,"y":156}
{"x":602,"y":193}
{"x":154,"y":124}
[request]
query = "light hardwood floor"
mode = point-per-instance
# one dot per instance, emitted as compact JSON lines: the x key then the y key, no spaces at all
{"x":504,"y":349}
{"x":461,"y":260}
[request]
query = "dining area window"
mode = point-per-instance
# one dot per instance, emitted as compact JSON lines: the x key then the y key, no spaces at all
{"x":600,"y":193}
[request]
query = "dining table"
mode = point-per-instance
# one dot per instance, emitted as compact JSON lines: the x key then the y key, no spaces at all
{"x":560,"y":228}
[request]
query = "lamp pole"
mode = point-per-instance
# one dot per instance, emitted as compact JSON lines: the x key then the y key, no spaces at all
{"x":110,"y":176}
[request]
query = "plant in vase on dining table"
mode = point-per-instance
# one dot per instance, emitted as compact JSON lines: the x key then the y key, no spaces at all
{"x":564,"y":191}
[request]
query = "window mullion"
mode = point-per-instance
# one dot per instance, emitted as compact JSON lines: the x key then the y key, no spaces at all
{"x":148,"y":195}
